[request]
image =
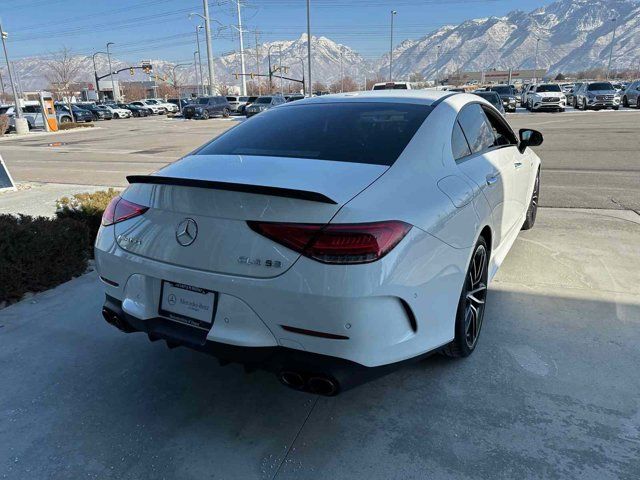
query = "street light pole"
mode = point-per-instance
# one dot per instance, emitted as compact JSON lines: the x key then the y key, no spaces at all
{"x":18,"y":108}
{"x":613,"y":39}
{"x":393,"y":14}
{"x":535,"y":73}
{"x":207,"y":32}
{"x":113,"y":83}
{"x":242,"y":68}
{"x":198,"y":28}
{"x":280,"y":56}
{"x":341,"y":72}
{"x":95,"y":73}
{"x":195,"y":69}
{"x":437,"y":62}
{"x":309,"y":45}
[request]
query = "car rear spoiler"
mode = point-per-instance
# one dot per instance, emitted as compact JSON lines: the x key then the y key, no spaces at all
{"x":232,"y":187}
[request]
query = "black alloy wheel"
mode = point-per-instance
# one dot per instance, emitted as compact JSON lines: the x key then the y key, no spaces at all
{"x":471,"y":306}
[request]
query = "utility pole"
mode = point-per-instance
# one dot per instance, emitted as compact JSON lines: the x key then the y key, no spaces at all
{"x":21,"y":124}
{"x":16,"y":72}
{"x":113,"y":83}
{"x":280,"y":55}
{"x":437,"y":62}
{"x":309,"y":45}
{"x":258,"y":64}
{"x":535,"y":73}
{"x":198,"y":28}
{"x":341,"y":73}
{"x":207,"y":31}
{"x":393,"y":14}
{"x":269,"y":64}
{"x":195,"y":69}
{"x":244,"y":79}
{"x":2,"y":84}
{"x":613,"y":39}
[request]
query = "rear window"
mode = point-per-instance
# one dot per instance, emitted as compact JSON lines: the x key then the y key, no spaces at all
{"x":374,"y":133}
{"x":263,"y":100}
{"x":502,"y":90}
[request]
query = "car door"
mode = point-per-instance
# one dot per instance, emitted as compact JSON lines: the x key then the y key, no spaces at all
{"x":489,"y":168}
{"x":521,"y":176}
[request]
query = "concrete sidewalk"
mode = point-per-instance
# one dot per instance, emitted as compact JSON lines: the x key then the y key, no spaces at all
{"x":551,"y":392}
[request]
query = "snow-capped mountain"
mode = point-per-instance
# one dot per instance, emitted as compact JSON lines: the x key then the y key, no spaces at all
{"x":573,"y":35}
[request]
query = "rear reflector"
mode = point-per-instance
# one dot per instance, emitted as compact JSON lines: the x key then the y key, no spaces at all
{"x":336,"y":243}
{"x":120,"y":210}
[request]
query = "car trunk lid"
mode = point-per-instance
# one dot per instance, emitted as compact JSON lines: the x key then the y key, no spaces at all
{"x":220,"y":193}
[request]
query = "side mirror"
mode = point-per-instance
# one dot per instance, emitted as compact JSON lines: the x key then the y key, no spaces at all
{"x":529,"y":138}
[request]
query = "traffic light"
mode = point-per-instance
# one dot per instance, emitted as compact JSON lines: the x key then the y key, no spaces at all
{"x":251,"y":75}
{"x":236,"y":75}
{"x":132,"y":72}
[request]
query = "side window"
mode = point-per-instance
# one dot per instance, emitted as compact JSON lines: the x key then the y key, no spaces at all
{"x":476,"y":128}
{"x":501,"y":131}
{"x":459,"y":144}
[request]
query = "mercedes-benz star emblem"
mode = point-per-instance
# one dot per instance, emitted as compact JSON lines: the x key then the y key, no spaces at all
{"x":187,"y":232}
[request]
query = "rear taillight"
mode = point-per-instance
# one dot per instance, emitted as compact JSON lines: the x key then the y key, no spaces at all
{"x":120,"y":210}
{"x":336,"y":243}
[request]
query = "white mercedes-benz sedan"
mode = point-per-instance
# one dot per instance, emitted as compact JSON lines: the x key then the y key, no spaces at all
{"x":326,"y":239}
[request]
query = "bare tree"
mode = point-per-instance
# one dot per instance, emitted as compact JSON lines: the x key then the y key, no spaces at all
{"x":62,"y":70}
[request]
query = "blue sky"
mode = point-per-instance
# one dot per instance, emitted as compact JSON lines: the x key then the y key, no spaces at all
{"x":161,"y":29}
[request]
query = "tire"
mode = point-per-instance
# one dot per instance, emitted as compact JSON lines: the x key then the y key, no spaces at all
{"x":225,"y":113}
{"x":205,"y":115}
{"x":574,"y":102}
{"x":616,"y":108}
{"x":65,"y":120}
{"x":638,"y":103}
{"x":471,"y":305}
{"x":561,"y":110}
{"x":116,"y":116}
{"x":532,"y":211}
{"x":625,"y":101}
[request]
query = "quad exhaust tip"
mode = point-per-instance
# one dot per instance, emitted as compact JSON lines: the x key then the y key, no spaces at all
{"x":318,"y":384}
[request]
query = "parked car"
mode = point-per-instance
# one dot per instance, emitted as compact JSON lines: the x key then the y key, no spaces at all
{"x":299,"y":252}
{"x":237,"y":103}
{"x":546,"y":96}
{"x":33,"y":114}
{"x":526,"y":89}
{"x":631,"y":95}
{"x":293,"y":97}
{"x":98,"y":113}
{"x":179,"y":102}
{"x":243,"y":108}
{"x":153,"y":106}
{"x":168,"y":107}
{"x":507,"y":95}
{"x":597,"y":95}
{"x":79,"y":114}
{"x":392,"y":86}
{"x":136,"y":110}
{"x":207,"y":107}
{"x":117,"y":111}
{"x":493,"y":98}
{"x":571,"y":94}
{"x":263,"y":103}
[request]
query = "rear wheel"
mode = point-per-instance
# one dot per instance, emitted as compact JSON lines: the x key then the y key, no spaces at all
{"x":205,"y":115}
{"x":532,"y":211}
{"x":115,"y":115}
{"x":471,"y":305}
{"x":625,"y":101}
{"x":65,"y":120}
{"x":638,"y":103}
{"x":225,"y":112}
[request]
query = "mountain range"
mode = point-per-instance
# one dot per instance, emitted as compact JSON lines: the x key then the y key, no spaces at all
{"x":571,"y":35}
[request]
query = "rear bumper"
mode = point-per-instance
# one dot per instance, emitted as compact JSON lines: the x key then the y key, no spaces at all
{"x":371,"y":315}
{"x":276,"y":359}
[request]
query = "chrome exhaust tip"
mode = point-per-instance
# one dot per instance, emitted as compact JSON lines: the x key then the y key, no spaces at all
{"x":293,"y":380}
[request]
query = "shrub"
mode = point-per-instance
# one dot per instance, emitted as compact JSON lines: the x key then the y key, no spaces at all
{"x":86,"y":208}
{"x":70,"y":125}
{"x":39,"y":253}
{"x":4,"y":124}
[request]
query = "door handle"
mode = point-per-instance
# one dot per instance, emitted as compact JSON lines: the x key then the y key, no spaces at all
{"x":517,"y":164}
{"x":492,"y":179}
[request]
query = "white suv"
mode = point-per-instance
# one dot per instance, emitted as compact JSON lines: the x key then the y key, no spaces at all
{"x":154,"y":107}
{"x":168,"y":107}
{"x":546,"y":96}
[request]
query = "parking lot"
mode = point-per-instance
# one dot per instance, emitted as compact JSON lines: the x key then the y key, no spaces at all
{"x":551,"y":392}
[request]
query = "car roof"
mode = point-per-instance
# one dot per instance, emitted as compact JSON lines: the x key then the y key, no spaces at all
{"x":418,"y":97}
